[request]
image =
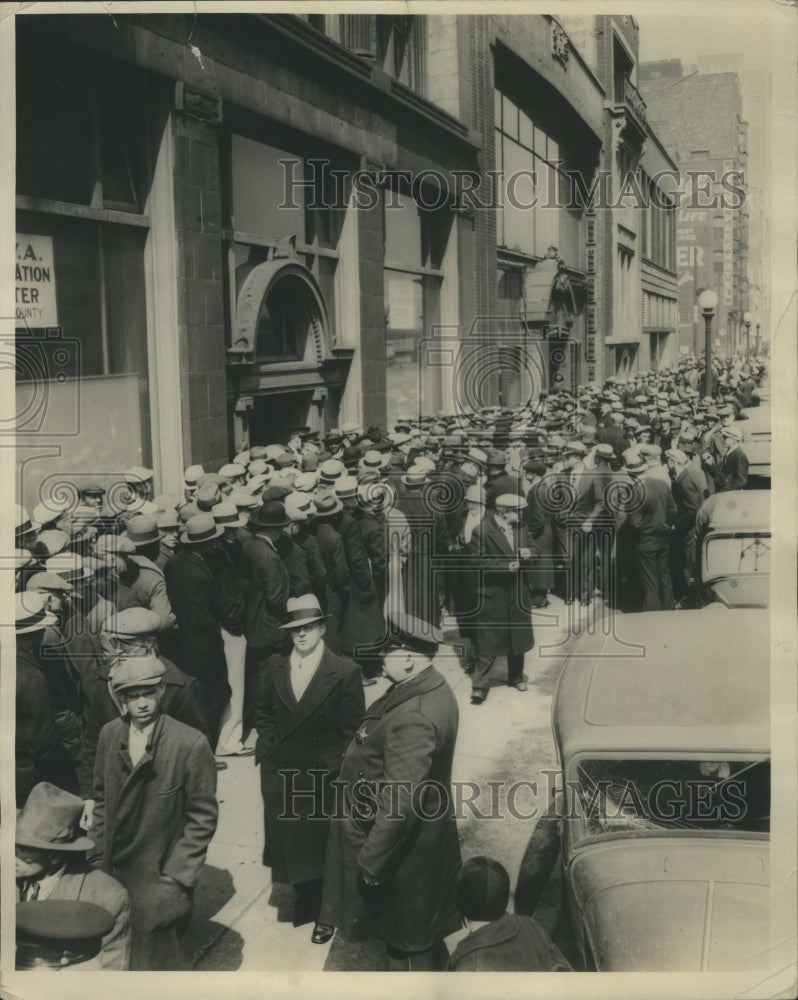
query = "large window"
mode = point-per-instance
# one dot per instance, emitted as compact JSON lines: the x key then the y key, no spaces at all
{"x":657,"y":226}
{"x":529,"y":162}
{"x":87,"y":134}
{"x":414,"y":244}
{"x":278,"y":193}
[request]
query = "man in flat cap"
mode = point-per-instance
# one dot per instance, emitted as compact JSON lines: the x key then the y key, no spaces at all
{"x":51,"y":864}
{"x":393,"y":852}
{"x":155,"y":813}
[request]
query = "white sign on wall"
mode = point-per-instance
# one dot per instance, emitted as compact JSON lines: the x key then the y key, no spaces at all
{"x":35,"y":281}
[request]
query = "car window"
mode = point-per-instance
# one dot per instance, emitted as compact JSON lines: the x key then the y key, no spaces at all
{"x":726,"y":556}
{"x":612,"y":796}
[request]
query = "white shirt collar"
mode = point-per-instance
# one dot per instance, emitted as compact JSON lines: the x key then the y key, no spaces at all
{"x":49,"y":882}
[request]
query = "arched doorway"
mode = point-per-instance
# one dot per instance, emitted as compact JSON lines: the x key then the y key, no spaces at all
{"x":283,"y":370}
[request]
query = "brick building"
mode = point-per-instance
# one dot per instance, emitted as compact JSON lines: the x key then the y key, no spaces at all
{"x":701,"y":117}
{"x":241,"y":223}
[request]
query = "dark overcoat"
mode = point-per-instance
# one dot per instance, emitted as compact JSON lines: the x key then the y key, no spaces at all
{"x":363,"y":621}
{"x":194,"y":592}
{"x":510,"y":944}
{"x":407,"y":739}
{"x":429,"y":538}
{"x":39,"y":755}
{"x":304,"y":736}
{"x":266,"y":589}
{"x":331,"y":550}
{"x":503,"y":623}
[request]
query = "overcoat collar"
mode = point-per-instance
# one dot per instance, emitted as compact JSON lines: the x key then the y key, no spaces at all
{"x":320,"y":685}
{"x":426,"y":681}
{"x":497,"y":932}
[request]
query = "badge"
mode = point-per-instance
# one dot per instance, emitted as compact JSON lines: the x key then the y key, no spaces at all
{"x":360,"y":735}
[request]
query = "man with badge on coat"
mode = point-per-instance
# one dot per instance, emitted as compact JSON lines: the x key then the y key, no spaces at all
{"x":311,"y":704}
{"x":393,"y":852}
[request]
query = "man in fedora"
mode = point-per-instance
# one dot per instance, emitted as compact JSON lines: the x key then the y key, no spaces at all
{"x":333,"y":555}
{"x":650,"y":526}
{"x":502,"y":625}
{"x":39,"y":754}
{"x":393,"y":852}
{"x":311,"y":704}
{"x":732,"y":467}
{"x":155,"y":812}
{"x":193,"y":592}
{"x":266,"y":586}
{"x":142,"y":574}
{"x":51,"y":864}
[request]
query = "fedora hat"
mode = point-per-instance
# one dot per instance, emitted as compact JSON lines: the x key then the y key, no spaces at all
{"x":68,"y":565}
{"x":192,"y":475}
{"x":226,"y":514}
{"x":143,"y":530}
{"x":200,"y":528}
{"x":49,"y":820}
{"x":30,"y":614}
{"x":416,"y":476}
{"x":328,"y":504}
{"x":270,"y":515}
{"x":302,"y":611}
{"x":132,"y":622}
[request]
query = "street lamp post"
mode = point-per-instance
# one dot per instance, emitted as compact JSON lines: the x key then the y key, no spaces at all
{"x":708,"y":303}
{"x":747,"y":321}
{"x":756,"y":346}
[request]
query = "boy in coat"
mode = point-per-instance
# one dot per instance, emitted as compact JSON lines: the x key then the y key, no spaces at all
{"x":155,"y":812}
{"x":393,"y":851}
{"x":312,"y":703}
{"x":498,"y":941}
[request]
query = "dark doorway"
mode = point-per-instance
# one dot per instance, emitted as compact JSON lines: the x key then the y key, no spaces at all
{"x":273,"y":416}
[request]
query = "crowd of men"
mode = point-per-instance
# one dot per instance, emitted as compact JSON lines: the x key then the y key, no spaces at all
{"x":157,"y":635}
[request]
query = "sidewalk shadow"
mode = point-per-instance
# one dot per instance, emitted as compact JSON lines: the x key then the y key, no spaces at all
{"x":214,"y":890}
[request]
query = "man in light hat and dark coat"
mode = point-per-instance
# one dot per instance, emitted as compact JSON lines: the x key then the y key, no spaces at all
{"x":312,"y":703}
{"x":193,"y":592}
{"x":498,"y":941}
{"x":155,"y":813}
{"x":51,"y":864}
{"x":39,"y":754}
{"x":142,"y":574}
{"x":502,"y":625}
{"x":393,"y":852}
{"x":732,"y":471}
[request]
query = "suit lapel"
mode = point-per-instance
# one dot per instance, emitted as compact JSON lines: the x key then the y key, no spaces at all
{"x":321,"y":683}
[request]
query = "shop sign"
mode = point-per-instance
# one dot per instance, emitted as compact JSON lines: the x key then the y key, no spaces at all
{"x":35,"y":281}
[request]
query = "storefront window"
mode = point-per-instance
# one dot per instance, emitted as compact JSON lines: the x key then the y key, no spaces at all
{"x":99,"y":301}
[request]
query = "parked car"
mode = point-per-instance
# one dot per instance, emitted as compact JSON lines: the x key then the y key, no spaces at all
{"x":733,"y":545}
{"x":662,"y":734}
{"x":756,"y":440}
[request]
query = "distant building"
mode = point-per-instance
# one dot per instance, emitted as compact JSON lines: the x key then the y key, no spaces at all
{"x":700,"y":116}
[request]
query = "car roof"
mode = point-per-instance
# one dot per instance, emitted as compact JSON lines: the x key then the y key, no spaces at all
{"x":749,"y":508}
{"x":668,"y":681}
